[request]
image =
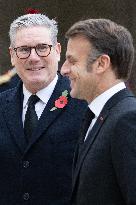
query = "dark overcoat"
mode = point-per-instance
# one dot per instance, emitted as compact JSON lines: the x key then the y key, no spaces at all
{"x":38,"y":173}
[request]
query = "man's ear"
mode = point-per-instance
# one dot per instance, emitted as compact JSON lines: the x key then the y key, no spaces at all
{"x":103,"y":63}
{"x":58,"y":50}
{"x":11,"y":52}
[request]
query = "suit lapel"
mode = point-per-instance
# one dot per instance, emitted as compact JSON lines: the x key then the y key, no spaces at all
{"x":87,"y":144}
{"x":96,"y":128}
{"x":48,"y":117}
{"x":13,"y":116}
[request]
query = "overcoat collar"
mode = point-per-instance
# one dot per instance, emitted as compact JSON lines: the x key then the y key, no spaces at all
{"x":13,"y":114}
{"x":12,"y":110}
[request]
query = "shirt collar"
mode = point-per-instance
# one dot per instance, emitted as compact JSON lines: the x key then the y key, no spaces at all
{"x":43,"y":94}
{"x":98,"y":103}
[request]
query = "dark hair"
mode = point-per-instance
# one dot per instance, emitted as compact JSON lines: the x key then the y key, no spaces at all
{"x":107,"y":37}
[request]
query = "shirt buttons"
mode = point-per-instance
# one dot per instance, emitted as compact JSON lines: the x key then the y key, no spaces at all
{"x":26,"y":164}
{"x":26,"y":196}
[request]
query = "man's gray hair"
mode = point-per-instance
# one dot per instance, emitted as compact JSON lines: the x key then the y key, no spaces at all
{"x":30,"y":20}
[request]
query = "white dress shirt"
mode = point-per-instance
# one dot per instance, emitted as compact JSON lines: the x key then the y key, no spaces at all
{"x":98,"y":103}
{"x":44,"y":96}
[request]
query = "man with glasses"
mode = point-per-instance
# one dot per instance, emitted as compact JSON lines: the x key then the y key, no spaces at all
{"x":104,"y":171}
{"x":39,"y":120}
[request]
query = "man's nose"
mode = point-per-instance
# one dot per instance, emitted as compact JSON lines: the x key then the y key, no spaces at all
{"x":34,"y":55}
{"x":65,"y":69}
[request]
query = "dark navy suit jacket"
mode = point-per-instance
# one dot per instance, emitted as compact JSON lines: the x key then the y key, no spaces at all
{"x":38,"y":173}
{"x":104,"y":172}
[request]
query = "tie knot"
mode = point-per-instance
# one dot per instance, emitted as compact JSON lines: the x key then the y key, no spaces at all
{"x":89,"y":115}
{"x":33,"y":99}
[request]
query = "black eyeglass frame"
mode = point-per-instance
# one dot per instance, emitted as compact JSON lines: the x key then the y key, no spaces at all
{"x":35,"y":47}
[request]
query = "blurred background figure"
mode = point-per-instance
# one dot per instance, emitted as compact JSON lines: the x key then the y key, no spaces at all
{"x":9,"y":80}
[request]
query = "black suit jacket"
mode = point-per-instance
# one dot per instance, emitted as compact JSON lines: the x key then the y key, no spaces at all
{"x":105,"y":172}
{"x":38,"y":173}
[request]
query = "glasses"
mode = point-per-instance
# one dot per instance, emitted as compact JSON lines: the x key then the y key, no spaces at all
{"x":42,"y":50}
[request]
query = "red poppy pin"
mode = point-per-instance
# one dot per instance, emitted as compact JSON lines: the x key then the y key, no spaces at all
{"x":62,"y":101}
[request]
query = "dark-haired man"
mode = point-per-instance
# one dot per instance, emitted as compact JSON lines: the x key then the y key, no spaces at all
{"x":99,"y":59}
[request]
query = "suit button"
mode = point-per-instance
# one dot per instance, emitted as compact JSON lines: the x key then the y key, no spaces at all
{"x":26,"y":164}
{"x":26,"y":196}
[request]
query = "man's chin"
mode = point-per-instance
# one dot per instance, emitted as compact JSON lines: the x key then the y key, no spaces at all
{"x":73,"y":94}
{"x":76,"y":95}
{"x":35,"y":85}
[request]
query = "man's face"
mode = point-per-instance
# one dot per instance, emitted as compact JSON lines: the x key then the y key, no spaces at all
{"x":83,"y":80}
{"x":36,"y":72}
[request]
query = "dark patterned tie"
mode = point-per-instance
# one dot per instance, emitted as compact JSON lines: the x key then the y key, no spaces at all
{"x":31,"y":118}
{"x":88,"y":117}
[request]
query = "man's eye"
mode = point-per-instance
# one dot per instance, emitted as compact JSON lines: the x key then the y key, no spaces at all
{"x":23,"y":49}
{"x":42,"y":47}
{"x":72,"y":62}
